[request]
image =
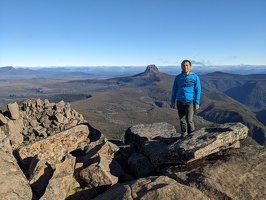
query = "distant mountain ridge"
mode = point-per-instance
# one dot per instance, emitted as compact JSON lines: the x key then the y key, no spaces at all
{"x":7,"y":68}
{"x":247,"y":89}
{"x":132,"y":70}
{"x":7,"y":73}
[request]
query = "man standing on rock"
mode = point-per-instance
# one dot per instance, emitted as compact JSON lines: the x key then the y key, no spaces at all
{"x":186,"y":90}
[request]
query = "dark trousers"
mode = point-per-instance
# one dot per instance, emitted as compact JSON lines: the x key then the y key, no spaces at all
{"x":186,"y":112}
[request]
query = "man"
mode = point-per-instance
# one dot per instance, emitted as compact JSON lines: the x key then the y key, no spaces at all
{"x":186,"y":90}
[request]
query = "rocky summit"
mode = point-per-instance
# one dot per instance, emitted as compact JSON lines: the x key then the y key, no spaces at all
{"x":48,"y":151}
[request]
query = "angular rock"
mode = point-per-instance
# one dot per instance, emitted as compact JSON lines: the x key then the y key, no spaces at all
{"x":153,"y":187}
{"x":155,"y":150}
{"x":40,"y":131}
{"x":53,"y":148}
{"x":60,"y":106}
{"x":34,"y":123}
{"x":13,"y":129}
{"x":3,"y":119}
{"x":107,"y":148}
{"x":14,"y":110}
{"x":140,"y":165}
{"x":61,"y":118}
{"x":94,"y":149}
{"x":104,"y":172}
{"x":60,"y":182}
{"x":138,"y":134}
{"x":47,"y":104}
{"x":13,"y":182}
{"x":39,"y":176}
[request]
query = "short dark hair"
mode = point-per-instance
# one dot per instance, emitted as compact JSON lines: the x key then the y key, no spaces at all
{"x":184,"y":62}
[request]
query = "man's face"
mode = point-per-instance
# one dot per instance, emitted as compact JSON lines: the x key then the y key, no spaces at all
{"x":186,"y":68}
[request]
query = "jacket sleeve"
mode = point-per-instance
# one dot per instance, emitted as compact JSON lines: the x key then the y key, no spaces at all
{"x":197,"y":91}
{"x":174,"y":91}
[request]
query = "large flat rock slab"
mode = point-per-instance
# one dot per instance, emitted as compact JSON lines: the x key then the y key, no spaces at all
{"x":55,"y":147}
{"x":206,"y":141}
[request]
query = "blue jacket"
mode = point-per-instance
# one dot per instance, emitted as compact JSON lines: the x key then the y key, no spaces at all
{"x":186,"y":88}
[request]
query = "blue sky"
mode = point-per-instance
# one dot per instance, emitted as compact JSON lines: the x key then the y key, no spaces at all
{"x":132,"y":32}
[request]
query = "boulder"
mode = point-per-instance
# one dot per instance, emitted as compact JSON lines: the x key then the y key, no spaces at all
{"x":140,"y":165}
{"x":155,"y":150}
{"x":39,"y":175}
{"x":138,"y":134}
{"x":13,"y":129}
{"x":13,"y":182}
{"x":94,"y":149}
{"x":103,"y":172}
{"x":60,"y":182}
{"x":3,"y":119}
{"x":13,"y":110}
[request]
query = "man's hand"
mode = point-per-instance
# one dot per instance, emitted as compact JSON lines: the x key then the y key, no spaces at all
{"x":172,"y":105}
{"x":196,"y":107}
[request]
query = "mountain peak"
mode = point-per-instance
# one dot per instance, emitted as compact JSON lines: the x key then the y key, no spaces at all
{"x":151,"y":69}
{"x":151,"y":72}
{"x":6,"y":69}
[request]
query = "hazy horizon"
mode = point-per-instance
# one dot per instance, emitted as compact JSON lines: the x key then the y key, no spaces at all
{"x":116,"y":70}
